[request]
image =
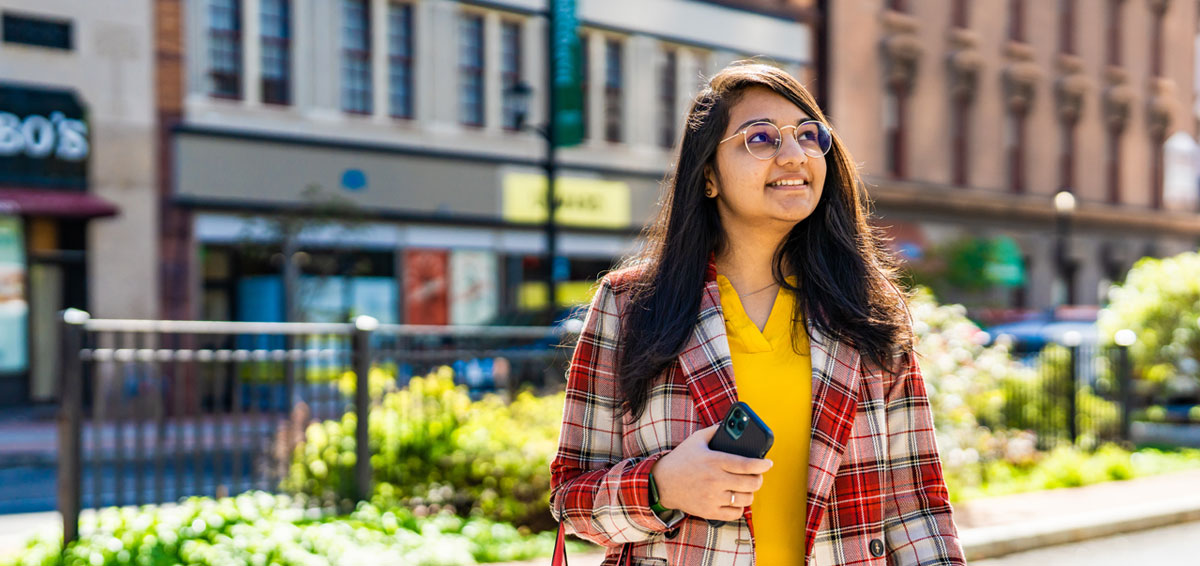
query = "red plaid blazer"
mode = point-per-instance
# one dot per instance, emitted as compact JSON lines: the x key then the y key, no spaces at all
{"x":876,"y":494}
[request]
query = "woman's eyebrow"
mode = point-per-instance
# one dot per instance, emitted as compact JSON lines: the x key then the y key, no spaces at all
{"x":753,"y":120}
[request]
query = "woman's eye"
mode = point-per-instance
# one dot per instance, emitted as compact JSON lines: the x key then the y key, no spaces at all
{"x":760,"y":137}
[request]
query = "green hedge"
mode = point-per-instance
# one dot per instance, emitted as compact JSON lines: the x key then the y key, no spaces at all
{"x":435,"y":449}
{"x":260,"y":529}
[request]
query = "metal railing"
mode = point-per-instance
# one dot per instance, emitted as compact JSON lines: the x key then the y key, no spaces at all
{"x":154,"y":411}
{"x":1080,"y":394}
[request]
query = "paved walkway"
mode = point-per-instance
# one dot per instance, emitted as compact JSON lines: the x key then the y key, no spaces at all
{"x":988,"y":527}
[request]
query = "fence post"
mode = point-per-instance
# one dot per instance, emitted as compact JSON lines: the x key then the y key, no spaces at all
{"x":70,"y":427}
{"x":1073,"y":396}
{"x":1125,"y":381}
{"x":364,"y":326}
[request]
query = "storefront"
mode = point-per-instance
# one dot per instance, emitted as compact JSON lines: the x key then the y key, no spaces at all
{"x":405,"y":236}
{"x":45,"y":149}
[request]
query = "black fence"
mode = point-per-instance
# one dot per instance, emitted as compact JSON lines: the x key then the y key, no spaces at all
{"x":155,"y":411}
{"x":1079,"y":394}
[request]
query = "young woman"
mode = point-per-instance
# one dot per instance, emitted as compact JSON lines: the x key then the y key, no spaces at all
{"x":762,"y":283}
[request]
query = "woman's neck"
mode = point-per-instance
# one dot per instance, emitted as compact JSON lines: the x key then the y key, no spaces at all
{"x":748,"y":258}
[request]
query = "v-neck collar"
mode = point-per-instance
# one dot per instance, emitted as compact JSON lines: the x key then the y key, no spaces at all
{"x":776,"y":331}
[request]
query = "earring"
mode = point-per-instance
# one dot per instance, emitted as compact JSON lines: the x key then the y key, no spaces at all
{"x":709,"y":192}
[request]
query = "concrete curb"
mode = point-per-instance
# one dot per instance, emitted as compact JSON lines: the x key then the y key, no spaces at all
{"x":993,"y":542}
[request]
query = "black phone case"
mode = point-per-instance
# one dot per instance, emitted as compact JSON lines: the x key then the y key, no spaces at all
{"x":754,"y":442}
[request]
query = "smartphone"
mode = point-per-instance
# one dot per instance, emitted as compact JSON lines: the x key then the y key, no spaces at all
{"x":742,"y":433}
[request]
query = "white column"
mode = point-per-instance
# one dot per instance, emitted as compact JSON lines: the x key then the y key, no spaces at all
{"x":327,"y":55}
{"x":533,"y":67}
{"x":642,"y":58}
{"x":492,"y":86}
{"x":251,"y":52}
{"x":302,"y":44}
{"x":196,"y":41}
{"x":686,"y":80}
{"x":380,"y":106}
{"x":595,"y":97}
{"x":438,"y":52}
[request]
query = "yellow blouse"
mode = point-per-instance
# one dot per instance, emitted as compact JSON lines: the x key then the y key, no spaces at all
{"x":777,"y":384}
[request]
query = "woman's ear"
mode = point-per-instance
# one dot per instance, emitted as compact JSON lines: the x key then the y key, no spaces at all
{"x":710,"y":182}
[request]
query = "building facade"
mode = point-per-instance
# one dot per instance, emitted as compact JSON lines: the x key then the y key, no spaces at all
{"x":375,"y":143}
{"x":77,"y":206}
{"x":969,"y":117}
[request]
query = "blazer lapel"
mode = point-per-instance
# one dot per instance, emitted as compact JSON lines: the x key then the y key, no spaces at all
{"x":706,"y":362}
{"x":836,"y":375}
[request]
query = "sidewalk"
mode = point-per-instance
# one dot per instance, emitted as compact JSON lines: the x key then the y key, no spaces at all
{"x":998,"y":526}
{"x":988,"y":527}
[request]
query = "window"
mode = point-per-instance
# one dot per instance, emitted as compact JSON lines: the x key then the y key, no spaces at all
{"x":893,"y":123}
{"x":400,"y":59}
{"x":276,"y":51}
{"x":1113,"y":171}
{"x":960,"y":16}
{"x":612,"y":90}
{"x":1114,"y":32}
{"x":470,"y":69}
{"x":585,"y":60}
{"x":1014,"y":140}
{"x":1066,"y":158}
{"x":1016,"y":17}
{"x":37,"y":31}
{"x":961,"y":140}
{"x":225,"y":48}
{"x":356,"y":57}
{"x":667,"y":98}
{"x":510,"y":69}
{"x":1066,"y":26}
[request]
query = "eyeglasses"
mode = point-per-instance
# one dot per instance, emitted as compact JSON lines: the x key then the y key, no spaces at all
{"x":764,"y":139}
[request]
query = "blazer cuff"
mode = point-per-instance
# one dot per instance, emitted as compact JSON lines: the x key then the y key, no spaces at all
{"x":637,"y":499}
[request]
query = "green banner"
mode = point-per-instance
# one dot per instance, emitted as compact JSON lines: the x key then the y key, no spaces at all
{"x":568,"y":111}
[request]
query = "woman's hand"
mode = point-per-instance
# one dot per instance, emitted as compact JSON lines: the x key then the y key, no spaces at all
{"x":698,"y":481}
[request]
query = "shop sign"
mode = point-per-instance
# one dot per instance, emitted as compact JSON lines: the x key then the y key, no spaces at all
{"x":592,"y":203}
{"x":44,"y":138}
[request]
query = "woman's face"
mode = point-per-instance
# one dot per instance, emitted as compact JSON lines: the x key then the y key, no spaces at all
{"x":762,"y":193}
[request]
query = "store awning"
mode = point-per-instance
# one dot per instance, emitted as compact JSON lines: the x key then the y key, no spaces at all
{"x":47,"y":202}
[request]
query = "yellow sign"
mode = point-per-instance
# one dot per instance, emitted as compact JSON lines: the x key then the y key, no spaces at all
{"x":581,"y":202}
{"x":531,"y":295}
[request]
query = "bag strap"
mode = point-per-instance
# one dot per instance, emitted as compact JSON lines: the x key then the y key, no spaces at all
{"x":559,"y":558}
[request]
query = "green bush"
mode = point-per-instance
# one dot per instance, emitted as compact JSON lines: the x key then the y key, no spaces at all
{"x":434,"y":449}
{"x":1069,"y":466}
{"x":259,"y":529}
{"x":1160,"y":302}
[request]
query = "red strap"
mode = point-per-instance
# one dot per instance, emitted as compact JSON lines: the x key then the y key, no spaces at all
{"x":559,"y":558}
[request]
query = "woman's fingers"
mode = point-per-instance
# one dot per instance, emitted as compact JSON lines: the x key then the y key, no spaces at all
{"x":735,"y":464}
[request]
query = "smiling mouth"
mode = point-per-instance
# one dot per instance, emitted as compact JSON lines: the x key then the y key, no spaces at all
{"x":788,"y":184}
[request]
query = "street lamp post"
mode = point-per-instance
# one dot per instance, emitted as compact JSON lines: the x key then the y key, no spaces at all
{"x":520,"y":94}
{"x":1064,"y":209}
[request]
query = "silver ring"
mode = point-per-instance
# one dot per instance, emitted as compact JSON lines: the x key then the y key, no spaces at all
{"x":731,"y":495}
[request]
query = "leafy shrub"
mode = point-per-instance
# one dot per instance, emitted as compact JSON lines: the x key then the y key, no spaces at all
{"x":260,"y":529}
{"x":434,"y":449}
{"x":1160,"y":302}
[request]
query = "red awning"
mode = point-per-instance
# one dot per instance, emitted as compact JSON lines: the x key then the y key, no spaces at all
{"x":49,"y":202}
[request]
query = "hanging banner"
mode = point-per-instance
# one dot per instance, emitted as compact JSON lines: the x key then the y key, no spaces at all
{"x":474,"y":289}
{"x":566,"y":81}
{"x":426,"y":289}
{"x":14,"y":309}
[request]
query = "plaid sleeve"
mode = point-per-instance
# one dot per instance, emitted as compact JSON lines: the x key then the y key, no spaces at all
{"x":596,"y":492}
{"x":918,"y":520}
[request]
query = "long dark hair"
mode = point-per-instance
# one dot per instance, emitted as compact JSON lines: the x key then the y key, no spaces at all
{"x":846,"y":276}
